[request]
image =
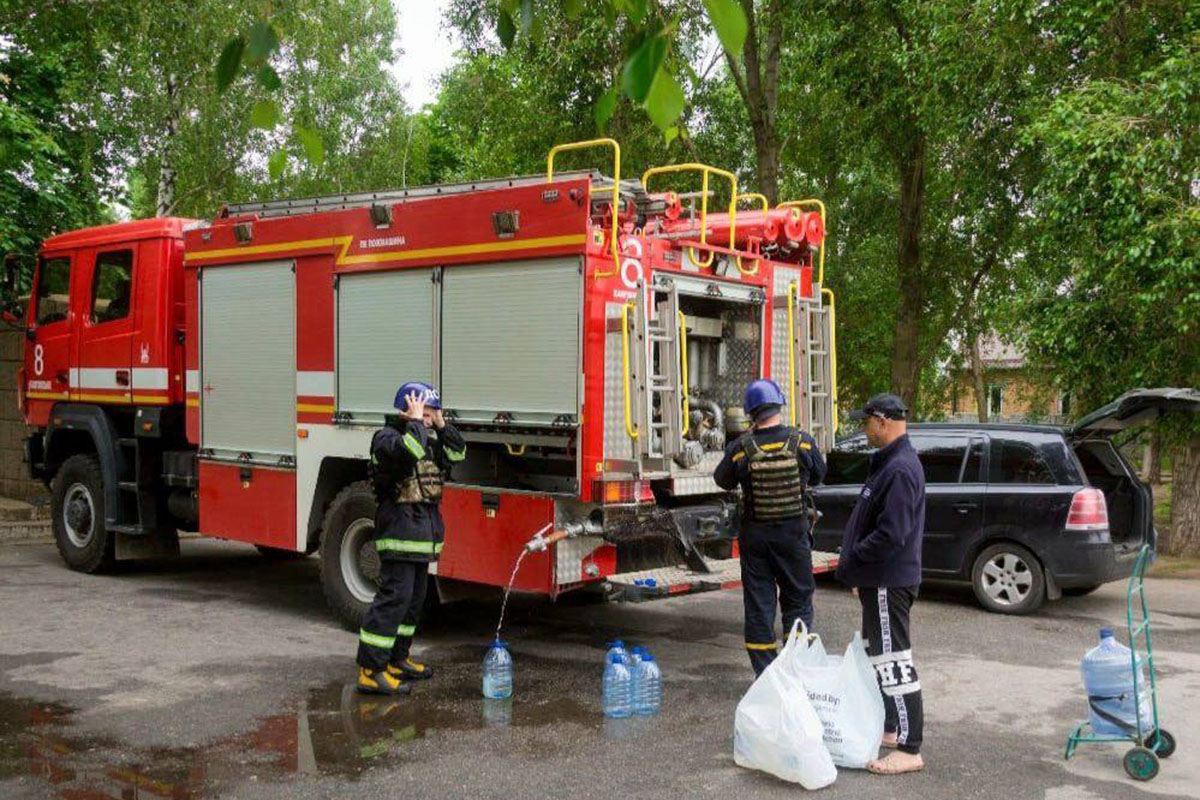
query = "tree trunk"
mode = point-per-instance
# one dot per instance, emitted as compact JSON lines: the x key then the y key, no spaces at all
{"x":1185,"y":501}
{"x":906,"y":362}
{"x":1152,"y":459}
{"x":766,"y":167}
{"x":757,"y":81}
{"x":977,"y":379}
{"x":165,"y":205}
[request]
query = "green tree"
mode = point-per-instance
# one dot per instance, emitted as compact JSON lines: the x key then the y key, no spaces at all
{"x":1112,"y":298}
{"x":54,"y":168}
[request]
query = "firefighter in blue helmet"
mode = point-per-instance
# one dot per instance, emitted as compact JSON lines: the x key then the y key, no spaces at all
{"x":411,"y":457}
{"x":774,"y":464}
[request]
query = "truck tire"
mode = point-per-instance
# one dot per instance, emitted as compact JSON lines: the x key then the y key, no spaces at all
{"x":349,"y":563}
{"x":77,"y":509}
{"x":1008,"y":579}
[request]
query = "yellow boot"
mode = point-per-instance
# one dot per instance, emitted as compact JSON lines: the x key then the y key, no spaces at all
{"x":380,"y":681}
{"x":410,"y":669}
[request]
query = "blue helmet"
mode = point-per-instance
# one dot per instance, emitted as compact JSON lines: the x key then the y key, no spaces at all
{"x":762,"y":392}
{"x":432,"y":398}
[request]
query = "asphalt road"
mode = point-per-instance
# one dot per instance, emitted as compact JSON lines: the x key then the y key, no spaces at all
{"x":222,"y":675}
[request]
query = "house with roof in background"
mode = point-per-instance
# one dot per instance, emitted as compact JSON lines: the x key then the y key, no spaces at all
{"x":1013,"y":390}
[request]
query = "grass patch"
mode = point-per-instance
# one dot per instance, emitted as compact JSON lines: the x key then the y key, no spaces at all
{"x":1175,"y":567}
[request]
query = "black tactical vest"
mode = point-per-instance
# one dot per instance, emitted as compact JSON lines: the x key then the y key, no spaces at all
{"x":776,"y":490}
{"x":401,"y":482}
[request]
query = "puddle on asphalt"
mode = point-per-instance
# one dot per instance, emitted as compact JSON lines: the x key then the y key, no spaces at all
{"x":332,"y":730}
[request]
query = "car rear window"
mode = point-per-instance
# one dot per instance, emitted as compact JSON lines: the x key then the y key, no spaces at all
{"x":1018,"y":462}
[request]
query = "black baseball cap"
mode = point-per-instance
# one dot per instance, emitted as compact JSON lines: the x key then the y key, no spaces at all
{"x":882,"y":405}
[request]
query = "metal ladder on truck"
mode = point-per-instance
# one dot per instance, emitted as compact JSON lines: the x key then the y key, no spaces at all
{"x":814,"y":357}
{"x":658,"y":371}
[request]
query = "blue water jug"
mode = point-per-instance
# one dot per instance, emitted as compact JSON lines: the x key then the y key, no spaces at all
{"x":1108,"y":680}
{"x":498,"y":671}
{"x":647,"y":686}
{"x":617,"y":690}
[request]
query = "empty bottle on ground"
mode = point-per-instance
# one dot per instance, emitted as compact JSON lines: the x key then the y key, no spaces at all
{"x":647,"y":686}
{"x":498,"y":671}
{"x":1108,"y":680}
{"x":617,"y":689}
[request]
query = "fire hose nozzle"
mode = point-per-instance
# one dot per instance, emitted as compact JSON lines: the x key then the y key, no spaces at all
{"x":541,"y":540}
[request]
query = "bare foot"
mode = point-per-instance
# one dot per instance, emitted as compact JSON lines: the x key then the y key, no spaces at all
{"x":897,"y":763}
{"x":889,"y":740}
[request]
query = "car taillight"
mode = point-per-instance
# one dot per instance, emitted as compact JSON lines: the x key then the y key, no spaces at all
{"x":1088,"y":511}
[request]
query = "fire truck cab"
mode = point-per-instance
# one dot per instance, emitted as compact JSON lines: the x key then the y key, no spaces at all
{"x":591,"y":336}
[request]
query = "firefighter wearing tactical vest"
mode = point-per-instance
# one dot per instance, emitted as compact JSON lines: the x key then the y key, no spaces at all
{"x":774,"y":464}
{"x":411,"y":458}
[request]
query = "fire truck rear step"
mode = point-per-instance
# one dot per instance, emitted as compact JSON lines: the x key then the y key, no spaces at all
{"x":655,"y":584}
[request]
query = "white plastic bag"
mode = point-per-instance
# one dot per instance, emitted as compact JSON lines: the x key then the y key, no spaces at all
{"x":776,"y":729}
{"x":844,"y":693}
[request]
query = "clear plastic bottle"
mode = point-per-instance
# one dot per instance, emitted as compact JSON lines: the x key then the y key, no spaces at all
{"x":498,"y":671}
{"x":617,"y":646}
{"x":648,"y":686}
{"x":1108,"y":680}
{"x":617,"y":689}
{"x":635,"y":658}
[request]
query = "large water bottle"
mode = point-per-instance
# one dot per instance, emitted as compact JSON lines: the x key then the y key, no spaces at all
{"x":498,"y":671}
{"x":634,"y":660}
{"x":617,"y":689}
{"x":647,"y":686}
{"x":618,"y":647}
{"x":1108,"y":680}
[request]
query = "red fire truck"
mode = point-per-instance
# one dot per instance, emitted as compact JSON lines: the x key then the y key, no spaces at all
{"x":591,"y":337}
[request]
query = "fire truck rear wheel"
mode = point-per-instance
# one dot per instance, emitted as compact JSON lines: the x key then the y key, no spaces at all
{"x":349,"y":563}
{"x":77,"y":505}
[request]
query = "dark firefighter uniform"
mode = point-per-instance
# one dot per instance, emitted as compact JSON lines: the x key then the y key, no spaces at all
{"x":774,"y":466}
{"x":409,"y":465}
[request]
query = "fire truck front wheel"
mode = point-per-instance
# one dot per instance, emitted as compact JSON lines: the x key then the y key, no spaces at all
{"x":349,"y":563}
{"x":77,"y":505}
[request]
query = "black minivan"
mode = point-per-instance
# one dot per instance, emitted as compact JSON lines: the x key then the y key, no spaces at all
{"x":1023,"y":512}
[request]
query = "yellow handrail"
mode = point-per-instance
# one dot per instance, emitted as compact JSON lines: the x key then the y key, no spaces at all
{"x":687,"y":408}
{"x":761,"y":198}
{"x":820,"y":207}
{"x":833,"y":355}
{"x":630,"y":428}
{"x":766,"y":206}
{"x":616,"y":192}
{"x":791,"y":309}
{"x":705,"y":170}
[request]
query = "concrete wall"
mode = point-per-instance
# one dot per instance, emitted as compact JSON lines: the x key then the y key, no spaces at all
{"x":14,"y":474}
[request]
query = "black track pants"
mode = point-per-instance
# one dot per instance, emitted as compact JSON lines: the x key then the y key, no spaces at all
{"x":885,"y":628}
{"x":776,"y":559}
{"x":391,"y":621}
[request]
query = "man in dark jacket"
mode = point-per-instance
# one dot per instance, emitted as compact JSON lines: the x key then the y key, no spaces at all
{"x":881,"y":559}
{"x":410,"y":460}
{"x":774,"y":464}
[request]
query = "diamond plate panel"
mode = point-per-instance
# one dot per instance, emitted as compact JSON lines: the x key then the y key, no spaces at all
{"x":699,"y":480}
{"x":779,"y":331}
{"x":617,"y":444}
{"x":569,"y":555}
